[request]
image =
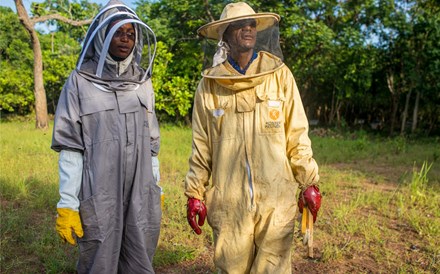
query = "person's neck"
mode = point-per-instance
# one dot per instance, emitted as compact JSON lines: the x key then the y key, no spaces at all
{"x":242,"y":58}
{"x":116,"y":58}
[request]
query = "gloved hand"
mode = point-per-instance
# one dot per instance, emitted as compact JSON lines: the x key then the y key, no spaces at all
{"x":195,"y":207}
{"x":68,"y":221}
{"x":311,"y":198}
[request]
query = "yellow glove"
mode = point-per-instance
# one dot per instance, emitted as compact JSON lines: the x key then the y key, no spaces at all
{"x":68,"y":221}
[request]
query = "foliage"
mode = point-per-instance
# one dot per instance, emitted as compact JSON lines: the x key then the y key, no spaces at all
{"x":409,"y":43}
{"x":16,"y":85}
{"x":179,"y":58}
{"x":173,"y":93}
{"x":60,"y":53}
{"x":370,"y":63}
{"x":15,"y":89}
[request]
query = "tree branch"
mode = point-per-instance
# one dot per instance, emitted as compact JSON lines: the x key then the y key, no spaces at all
{"x":61,"y":18}
{"x":208,"y":11}
{"x":23,"y":16}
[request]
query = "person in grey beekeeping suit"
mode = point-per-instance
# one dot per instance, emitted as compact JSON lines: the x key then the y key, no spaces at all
{"x":107,"y":134}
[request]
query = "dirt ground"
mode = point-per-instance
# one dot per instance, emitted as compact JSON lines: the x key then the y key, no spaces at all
{"x":402,"y":252}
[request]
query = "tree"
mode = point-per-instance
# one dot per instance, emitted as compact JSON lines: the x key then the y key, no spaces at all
{"x":15,"y":63}
{"x":179,"y":58}
{"x":409,"y":41}
{"x":353,"y":60}
{"x":39,"y":91}
{"x":425,"y":49}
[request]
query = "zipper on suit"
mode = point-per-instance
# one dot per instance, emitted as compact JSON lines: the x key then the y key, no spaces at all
{"x":248,"y":166}
{"x":251,"y":186}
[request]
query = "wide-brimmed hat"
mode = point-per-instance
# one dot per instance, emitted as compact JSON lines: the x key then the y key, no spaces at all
{"x":234,"y":12}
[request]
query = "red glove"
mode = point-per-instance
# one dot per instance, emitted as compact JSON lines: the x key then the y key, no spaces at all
{"x":195,"y":207}
{"x":311,"y":197}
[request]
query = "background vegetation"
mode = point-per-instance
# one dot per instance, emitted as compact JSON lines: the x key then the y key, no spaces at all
{"x":369,"y":63}
{"x":379,"y":212}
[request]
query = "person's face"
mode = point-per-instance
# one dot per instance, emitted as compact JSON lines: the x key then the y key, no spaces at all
{"x":241,"y":35}
{"x":123,"y":41}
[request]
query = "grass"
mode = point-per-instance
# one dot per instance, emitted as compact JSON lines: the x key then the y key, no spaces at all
{"x":379,"y":212}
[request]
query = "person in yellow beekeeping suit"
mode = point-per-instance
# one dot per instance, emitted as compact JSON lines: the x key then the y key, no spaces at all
{"x":250,"y":139}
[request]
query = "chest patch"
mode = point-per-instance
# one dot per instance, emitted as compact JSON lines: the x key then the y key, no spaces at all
{"x":270,"y":114}
{"x":274,"y":114}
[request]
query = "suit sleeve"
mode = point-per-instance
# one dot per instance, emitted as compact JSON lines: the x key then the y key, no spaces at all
{"x":67,"y":139}
{"x":67,"y":130}
{"x":299,"y":150}
{"x":153,"y":123}
{"x":199,"y":172}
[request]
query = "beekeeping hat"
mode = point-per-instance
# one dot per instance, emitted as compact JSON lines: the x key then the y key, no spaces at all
{"x":95,"y":62}
{"x":235,"y":12}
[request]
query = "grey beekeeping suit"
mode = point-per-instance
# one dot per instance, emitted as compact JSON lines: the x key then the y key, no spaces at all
{"x":106,"y":113}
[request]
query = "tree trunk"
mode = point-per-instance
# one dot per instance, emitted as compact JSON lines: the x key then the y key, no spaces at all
{"x":41,"y":117}
{"x":332,"y":107}
{"x":394,"y":100}
{"x":338,"y":113}
{"x":415,"y":113}
{"x":390,"y":82}
{"x":405,"y":113}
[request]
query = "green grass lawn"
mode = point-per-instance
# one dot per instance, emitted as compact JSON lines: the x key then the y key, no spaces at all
{"x":380,"y":209}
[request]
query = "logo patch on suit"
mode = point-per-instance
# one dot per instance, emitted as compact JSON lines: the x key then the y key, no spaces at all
{"x":271,"y":116}
{"x":274,"y":114}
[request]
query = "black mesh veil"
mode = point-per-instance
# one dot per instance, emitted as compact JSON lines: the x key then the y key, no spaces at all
{"x":268,"y":41}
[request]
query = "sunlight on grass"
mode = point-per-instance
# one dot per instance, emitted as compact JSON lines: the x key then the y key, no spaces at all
{"x":351,"y":225}
{"x":332,"y":252}
{"x":346,"y":208}
{"x":419,"y":182}
{"x":360,"y":215}
{"x":177,"y":241}
{"x":28,"y":165}
{"x":342,"y":211}
{"x":363,"y":214}
{"x":371,"y":230}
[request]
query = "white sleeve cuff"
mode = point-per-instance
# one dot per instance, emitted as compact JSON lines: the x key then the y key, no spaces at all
{"x":70,"y":172}
{"x":156,"y":172}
